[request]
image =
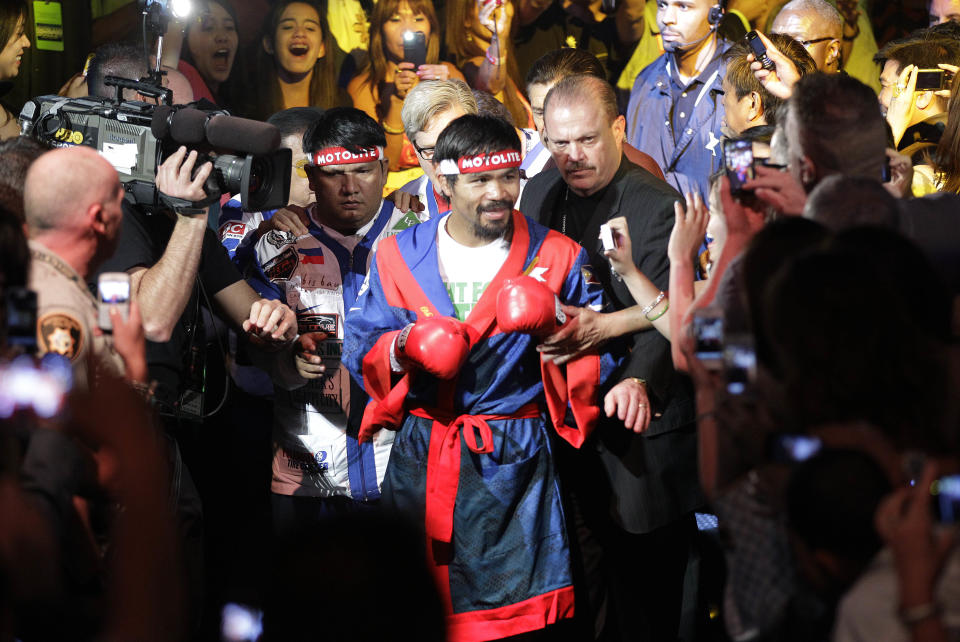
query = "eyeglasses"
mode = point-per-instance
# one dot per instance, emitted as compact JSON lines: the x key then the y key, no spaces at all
{"x":300,"y":166}
{"x":426,"y":153}
{"x":807,"y":43}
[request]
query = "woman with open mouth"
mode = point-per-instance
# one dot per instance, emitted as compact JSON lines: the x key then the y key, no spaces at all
{"x":297,"y":66}
{"x":205,"y":50}
{"x":14,"y":43}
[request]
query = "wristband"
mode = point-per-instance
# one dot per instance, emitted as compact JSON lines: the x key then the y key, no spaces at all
{"x":642,"y":382}
{"x":660,"y":314}
{"x":911,"y":616}
{"x":645,"y":311}
{"x":396,"y":131}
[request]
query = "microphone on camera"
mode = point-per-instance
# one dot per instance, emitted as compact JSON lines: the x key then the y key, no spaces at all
{"x":250,"y":136}
{"x":190,"y":126}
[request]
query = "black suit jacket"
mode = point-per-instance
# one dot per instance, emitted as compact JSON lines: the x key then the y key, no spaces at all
{"x":653,"y":477}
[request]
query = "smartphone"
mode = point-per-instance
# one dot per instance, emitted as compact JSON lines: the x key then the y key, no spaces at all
{"x":932,"y":79}
{"x":739,"y":363}
{"x":113,"y":289}
{"x":415,"y":48}
{"x":787,"y":448}
{"x":240,"y":623}
{"x":21,"y":309}
{"x":759,"y":51}
{"x":738,"y":162}
{"x":606,"y":238}
{"x":946,"y":499}
{"x":708,"y":337}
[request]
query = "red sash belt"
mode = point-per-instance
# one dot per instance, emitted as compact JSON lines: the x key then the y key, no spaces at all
{"x":443,"y":460}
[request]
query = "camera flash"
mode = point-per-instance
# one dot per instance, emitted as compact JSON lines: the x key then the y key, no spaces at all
{"x":181,"y":8}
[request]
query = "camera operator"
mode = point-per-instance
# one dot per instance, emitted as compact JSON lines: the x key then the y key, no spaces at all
{"x":173,"y":261}
{"x":176,"y":265}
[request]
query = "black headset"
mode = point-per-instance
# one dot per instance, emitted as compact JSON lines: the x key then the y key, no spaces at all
{"x":716,"y":13}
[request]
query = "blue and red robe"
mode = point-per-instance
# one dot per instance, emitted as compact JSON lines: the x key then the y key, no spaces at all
{"x":472,"y":457}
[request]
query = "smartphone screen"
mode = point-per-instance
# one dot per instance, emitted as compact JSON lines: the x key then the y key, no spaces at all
{"x":946,"y":499}
{"x":708,"y":334}
{"x":415,"y":47}
{"x":738,"y":162}
{"x":113,"y":289}
{"x":932,"y":79}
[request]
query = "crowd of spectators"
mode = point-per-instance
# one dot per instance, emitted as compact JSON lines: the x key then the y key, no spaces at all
{"x":579,"y":320}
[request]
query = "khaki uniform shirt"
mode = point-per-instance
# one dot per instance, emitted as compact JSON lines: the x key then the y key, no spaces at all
{"x":67,"y":316}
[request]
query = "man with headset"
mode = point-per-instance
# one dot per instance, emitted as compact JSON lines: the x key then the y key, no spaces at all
{"x":676,"y":104}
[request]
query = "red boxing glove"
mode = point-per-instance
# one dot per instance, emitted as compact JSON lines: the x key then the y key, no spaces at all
{"x":529,"y":306}
{"x":438,"y":345}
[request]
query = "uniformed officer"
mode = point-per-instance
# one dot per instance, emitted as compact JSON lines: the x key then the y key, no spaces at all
{"x":72,"y":203}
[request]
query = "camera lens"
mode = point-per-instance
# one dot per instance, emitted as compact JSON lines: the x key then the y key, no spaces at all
{"x":229,"y":170}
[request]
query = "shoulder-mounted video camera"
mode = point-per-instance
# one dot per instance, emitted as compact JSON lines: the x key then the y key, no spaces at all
{"x":136,"y":136}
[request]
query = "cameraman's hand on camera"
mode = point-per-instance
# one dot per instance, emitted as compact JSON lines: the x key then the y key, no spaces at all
{"x":309,"y":364}
{"x":175,"y":176}
{"x":782,"y":78}
{"x":271,"y":322}
{"x":292,"y":219}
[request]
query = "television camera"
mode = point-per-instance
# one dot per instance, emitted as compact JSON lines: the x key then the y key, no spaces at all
{"x":135,"y":136}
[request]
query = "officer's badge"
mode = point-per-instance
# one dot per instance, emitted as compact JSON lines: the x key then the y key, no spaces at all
{"x":61,"y":334}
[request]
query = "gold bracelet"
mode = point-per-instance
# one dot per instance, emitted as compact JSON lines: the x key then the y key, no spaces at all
{"x":642,"y":382}
{"x":392,"y":130}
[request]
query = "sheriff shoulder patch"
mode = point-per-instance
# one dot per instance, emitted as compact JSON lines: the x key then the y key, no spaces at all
{"x":60,"y":333}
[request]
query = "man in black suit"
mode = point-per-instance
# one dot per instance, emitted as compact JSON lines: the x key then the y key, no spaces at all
{"x":645,"y":448}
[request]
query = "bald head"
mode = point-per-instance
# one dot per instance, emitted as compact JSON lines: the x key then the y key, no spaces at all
{"x":178,"y":84}
{"x":61,"y":186}
{"x":820,"y":13}
{"x":816,"y":22}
